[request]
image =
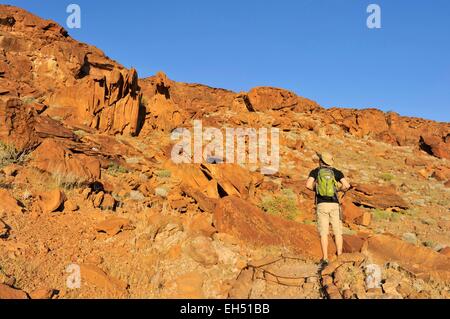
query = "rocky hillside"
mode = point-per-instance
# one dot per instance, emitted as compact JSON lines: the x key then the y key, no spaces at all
{"x":87,"y":184}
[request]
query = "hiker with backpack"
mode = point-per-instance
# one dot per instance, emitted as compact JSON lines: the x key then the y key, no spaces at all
{"x":324,"y":182}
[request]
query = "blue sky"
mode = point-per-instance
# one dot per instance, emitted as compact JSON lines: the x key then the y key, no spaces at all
{"x":320,"y":49}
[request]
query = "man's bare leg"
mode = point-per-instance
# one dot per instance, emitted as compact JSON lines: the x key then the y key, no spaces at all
{"x":339,"y":242}
{"x":324,"y":244}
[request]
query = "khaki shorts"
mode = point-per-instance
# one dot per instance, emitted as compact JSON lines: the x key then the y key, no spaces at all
{"x":329,"y":213}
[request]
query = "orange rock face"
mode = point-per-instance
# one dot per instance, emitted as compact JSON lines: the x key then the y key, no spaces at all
{"x":75,"y":81}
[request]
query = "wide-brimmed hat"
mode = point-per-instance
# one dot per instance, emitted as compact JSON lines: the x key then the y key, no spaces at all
{"x":327,"y":158}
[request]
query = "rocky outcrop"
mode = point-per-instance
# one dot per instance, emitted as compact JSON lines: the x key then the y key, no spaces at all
{"x":430,"y":136}
{"x":39,"y":61}
{"x":109,"y":103}
{"x":263,"y":99}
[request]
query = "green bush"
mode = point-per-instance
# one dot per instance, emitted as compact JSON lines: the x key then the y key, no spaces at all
{"x":284,"y":205}
{"x":387,"y":177}
{"x":163,"y":173}
{"x":28,"y":100}
{"x":379,"y":215}
{"x":116,"y":169}
{"x":80,"y":133}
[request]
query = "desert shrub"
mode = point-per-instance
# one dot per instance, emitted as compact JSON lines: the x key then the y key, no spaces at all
{"x":28,"y":100}
{"x":379,"y":215}
{"x":10,"y":155}
{"x":116,"y":169}
{"x":80,"y":133}
{"x":429,"y":243}
{"x":387,"y":177}
{"x":284,"y":205}
{"x":66,"y":180}
{"x":163,"y":173}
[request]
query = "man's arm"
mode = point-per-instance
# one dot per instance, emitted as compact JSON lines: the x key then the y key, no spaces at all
{"x":345,"y":185}
{"x":310,"y":183}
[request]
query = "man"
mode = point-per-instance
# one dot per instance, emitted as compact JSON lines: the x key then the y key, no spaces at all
{"x":323,"y":180}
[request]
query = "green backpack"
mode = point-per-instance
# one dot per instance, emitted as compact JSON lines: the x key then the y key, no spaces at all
{"x":326,"y":183}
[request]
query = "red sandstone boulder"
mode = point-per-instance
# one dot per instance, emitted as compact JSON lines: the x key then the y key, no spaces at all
{"x":67,"y":167}
{"x":435,"y":145}
{"x":51,"y":201}
{"x":424,"y":262}
{"x":237,"y":217}
{"x":351,"y":212}
{"x":377,"y":196}
{"x":8,"y":203}
{"x":352,"y":244}
{"x":114,"y":225}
